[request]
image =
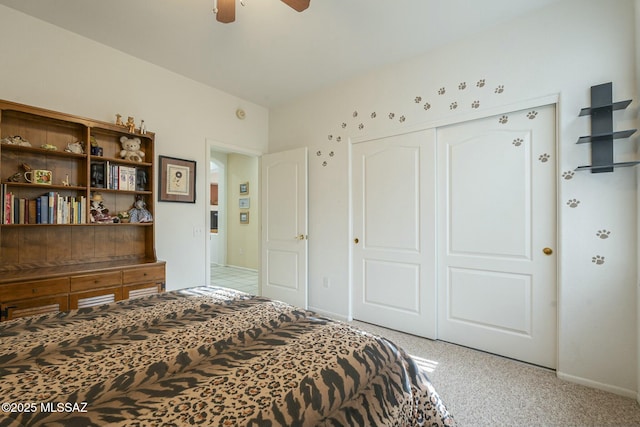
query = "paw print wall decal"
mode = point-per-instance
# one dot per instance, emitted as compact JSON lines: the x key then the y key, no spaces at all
{"x":374,"y":115}
{"x":343,"y":125}
{"x":499,"y":89}
{"x":402,"y":119}
{"x":462,"y":86}
{"x":544,"y":157}
{"x":568,"y":175}
{"x":518,"y":142}
{"x":453,"y":105}
{"x":442,"y":91}
{"x":573,"y":203}
{"x":603,"y":234}
{"x":427,"y":106}
{"x":355,"y":114}
{"x":598,"y":260}
{"x":503,"y":120}
{"x":418,"y":99}
{"x":361,"y":126}
{"x":330,"y":137}
{"x":475,"y":104}
{"x":391,"y":116}
{"x":480,"y":83}
{"x":532,"y":115}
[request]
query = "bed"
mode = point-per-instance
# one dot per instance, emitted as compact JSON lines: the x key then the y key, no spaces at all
{"x":207,"y":356}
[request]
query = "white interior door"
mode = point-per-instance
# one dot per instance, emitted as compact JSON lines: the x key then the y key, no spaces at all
{"x":284,"y":226}
{"x":393,"y":247}
{"x":497,"y":223}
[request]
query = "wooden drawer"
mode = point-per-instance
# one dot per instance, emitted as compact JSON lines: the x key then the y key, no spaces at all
{"x":143,"y":274}
{"x":95,"y":297}
{"x":35,"y":306}
{"x":141,"y":290}
{"x":95,"y":281}
{"x":34,"y":289}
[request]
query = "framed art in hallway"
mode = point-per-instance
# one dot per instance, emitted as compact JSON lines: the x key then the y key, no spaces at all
{"x":244,"y":217}
{"x":177,"y":181}
{"x":244,"y":188}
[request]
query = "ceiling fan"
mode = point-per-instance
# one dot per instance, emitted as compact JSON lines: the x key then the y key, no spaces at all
{"x":226,"y":9}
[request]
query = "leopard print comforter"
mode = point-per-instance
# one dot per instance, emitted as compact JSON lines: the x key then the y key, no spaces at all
{"x":207,"y":356}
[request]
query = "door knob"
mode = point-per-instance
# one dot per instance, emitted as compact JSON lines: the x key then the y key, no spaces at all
{"x":547,"y":251}
{"x":356,"y":241}
{"x":300,"y":237}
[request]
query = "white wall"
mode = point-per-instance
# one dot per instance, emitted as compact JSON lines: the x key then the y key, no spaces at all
{"x":48,"y":67}
{"x":242,"y":242}
{"x":637,"y":15}
{"x":563,"y":49}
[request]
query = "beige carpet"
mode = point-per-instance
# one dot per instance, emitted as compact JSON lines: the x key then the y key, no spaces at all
{"x":482,"y":389}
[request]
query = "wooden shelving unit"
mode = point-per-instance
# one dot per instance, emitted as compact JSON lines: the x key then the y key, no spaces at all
{"x":67,"y":264}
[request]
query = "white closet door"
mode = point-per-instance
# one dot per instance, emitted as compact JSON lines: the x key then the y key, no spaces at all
{"x":497,"y":235}
{"x":393,"y":242}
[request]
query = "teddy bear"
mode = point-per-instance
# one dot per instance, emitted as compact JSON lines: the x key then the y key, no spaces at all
{"x":131,"y":149}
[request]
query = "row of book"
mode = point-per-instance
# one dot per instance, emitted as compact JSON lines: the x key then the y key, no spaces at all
{"x":113,"y":177}
{"x":49,"y":208}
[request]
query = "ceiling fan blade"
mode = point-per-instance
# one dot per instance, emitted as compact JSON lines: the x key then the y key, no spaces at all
{"x":226,"y":11}
{"x":298,"y":5}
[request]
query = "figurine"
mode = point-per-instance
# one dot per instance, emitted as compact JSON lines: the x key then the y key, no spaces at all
{"x":130,"y":124}
{"x":143,"y":128}
{"x":15,"y":140}
{"x":98,"y":212}
{"x":75,"y":147}
{"x":139,"y":212}
{"x":119,"y":120}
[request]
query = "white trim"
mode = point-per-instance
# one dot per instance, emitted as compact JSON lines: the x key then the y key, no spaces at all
{"x":211,"y":144}
{"x":330,"y":314}
{"x":598,"y":385}
{"x":229,"y":148}
{"x":460,"y":118}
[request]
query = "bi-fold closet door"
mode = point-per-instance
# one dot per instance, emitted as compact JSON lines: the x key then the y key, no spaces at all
{"x":456,"y":230}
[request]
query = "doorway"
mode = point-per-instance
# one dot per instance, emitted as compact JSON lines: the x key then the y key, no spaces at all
{"x":233,"y":216}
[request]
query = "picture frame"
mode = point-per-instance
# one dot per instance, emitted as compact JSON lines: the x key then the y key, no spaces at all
{"x":177,"y":180}
{"x":244,"y":217}
{"x":244,"y":188}
{"x":244,"y":203}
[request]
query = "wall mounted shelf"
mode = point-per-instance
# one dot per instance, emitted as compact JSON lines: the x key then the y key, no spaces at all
{"x":602,"y":133}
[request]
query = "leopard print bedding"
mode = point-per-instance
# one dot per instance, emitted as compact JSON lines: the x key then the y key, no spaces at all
{"x":207,"y":356}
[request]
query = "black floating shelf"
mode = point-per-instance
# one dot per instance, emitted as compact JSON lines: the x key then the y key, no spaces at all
{"x":610,"y":166}
{"x":613,"y":106}
{"x":602,"y":133}
{"x":606,"y":136}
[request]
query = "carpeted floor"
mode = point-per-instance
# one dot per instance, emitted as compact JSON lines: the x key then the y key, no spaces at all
{"x":482,"y":389}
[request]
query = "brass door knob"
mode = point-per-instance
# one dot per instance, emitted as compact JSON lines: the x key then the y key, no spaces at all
{"x":356,"y":240}
{"x":300,"y":237}
{"x":547,"y":251}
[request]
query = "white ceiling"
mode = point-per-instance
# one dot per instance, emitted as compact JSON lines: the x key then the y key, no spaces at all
{"x":272,"y":54}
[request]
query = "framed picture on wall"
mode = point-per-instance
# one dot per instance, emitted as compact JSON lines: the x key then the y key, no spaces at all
{"x":244,"y":188}
{"x":244,"y":203}
{"x":244,"y":217}
{"x":177,"y":181}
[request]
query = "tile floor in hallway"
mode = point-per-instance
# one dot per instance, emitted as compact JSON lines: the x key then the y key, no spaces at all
{"x":241,"y":279}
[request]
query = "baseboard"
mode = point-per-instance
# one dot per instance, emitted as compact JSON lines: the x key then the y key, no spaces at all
{"x":600,"y":386}
{"x":329,"y":314}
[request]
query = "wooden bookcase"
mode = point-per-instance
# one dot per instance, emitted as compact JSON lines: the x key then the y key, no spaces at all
{"x":73,"y":262}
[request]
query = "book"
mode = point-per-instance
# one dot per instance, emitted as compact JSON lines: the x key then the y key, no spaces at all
{"x":44,"y":209}
{"x":127,"y":179}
